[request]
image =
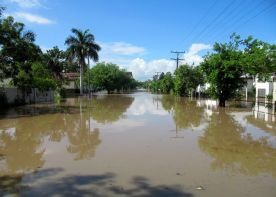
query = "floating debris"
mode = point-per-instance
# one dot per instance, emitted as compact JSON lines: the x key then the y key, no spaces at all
{"x":200,"y":188}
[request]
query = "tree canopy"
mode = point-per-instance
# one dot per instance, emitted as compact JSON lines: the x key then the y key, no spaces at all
{"x":187,"y":78}
{"x":110,"y":77}
{"x":82,"y":45}
{"x":229,"y":65}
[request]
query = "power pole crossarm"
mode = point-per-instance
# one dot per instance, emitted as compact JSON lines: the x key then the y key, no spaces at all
{"x":177,"y":59}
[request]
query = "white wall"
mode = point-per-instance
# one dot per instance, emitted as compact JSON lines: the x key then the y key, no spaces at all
{"x":268,"y":86}
{"x":264,"y":113}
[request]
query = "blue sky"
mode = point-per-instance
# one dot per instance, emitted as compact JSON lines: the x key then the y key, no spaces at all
{"x":139,"y":34}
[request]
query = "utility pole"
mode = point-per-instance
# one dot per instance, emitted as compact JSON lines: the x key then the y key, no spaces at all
{"x":177,"y":57}
{"x":157,"y":74}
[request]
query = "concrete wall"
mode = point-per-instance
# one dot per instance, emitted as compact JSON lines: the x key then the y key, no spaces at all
{"x":12,"y":94}
{"x":249,"y":85}
{"x":264,"y":113}
{"x":267,"y":86}
{"x":35,"y":96}
{"x":70,"y":85}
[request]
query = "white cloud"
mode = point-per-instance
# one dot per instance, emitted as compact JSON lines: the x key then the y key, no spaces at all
{"x":27,"y":3}
{"x":32,"y":18}
{"x":121,"y":48}
{"x":143,"y":69}
{"x":192,"y":57}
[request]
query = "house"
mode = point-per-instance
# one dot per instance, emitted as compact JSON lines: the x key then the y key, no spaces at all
{"x":265,"y":88}
{"x":70,"y":79}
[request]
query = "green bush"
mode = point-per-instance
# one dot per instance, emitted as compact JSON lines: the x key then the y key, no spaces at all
{"x":269,"y":97}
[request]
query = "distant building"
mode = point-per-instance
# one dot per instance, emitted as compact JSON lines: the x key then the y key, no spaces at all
{"x":70,"y":80}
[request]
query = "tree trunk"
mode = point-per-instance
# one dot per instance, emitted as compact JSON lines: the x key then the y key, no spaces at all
{"x":221,"y":102}
{"x":88,"y":76}
{"x":81,"y":71}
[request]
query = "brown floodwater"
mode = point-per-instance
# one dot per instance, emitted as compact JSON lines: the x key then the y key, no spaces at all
{"x":138,"y":145}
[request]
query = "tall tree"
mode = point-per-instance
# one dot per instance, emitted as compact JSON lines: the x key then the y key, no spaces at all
{"x":82,"y":45}
{"x":224,"y":69}
{"x":166,"y":84}
{"x":259,"y":57}
{"x":55,"y":60}
{"x":18,"y":52}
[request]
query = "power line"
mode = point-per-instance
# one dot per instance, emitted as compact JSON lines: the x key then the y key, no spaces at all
{"x":259,"y":13}
{"x":224,"y":22}
{"x":201,"y":20}
{"x":177,"y":57}
{"x":236,"y":20}
{"x":214,"y":20}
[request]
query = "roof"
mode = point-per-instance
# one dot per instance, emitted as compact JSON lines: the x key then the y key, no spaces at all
{"x":71,"y":76}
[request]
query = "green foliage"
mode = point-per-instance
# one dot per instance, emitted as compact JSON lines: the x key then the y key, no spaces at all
{"x":24,"y":78}
{"x":42,"y":78}
{"x":18,"y":51}
{"x":55,"y":61}
{"x":259,"y":57}
{"x":269,"y":97}
{"x":82,"y":45}
{"x":162,"y":84}
{"x":224,"y":70}
{"x":166,"y":83}
{"x":110,"y":108}
{"x":187,"y":78}
{"x":177,"y":105}
{"x":110,"y":77}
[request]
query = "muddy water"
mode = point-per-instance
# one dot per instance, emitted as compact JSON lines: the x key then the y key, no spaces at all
{"x":137,"y":145}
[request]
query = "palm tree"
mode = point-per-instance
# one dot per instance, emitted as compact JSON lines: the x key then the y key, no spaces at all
{"x":82,"y":46}
{"x":55,"y":61}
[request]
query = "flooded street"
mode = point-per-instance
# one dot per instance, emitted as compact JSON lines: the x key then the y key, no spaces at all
{"x":137,"y":145}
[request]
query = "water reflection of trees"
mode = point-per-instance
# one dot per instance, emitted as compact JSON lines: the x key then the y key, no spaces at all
{"x":22,"y":135}
{"x":110,"y":108}
{"x":20,"y":148}
{"x":185,"y":112}
{"x":83,"y":140}
{"x":21,"y":139}
{"x":225,"y":140}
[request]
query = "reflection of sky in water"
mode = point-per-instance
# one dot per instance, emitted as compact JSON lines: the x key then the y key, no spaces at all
{"x":169,"y":141}
{"x":252,"y":130}
{"x":146,"y":104}
{"x":145,"y":110}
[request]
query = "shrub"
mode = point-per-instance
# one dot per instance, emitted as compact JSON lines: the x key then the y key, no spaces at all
{"x":269,"y":97}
